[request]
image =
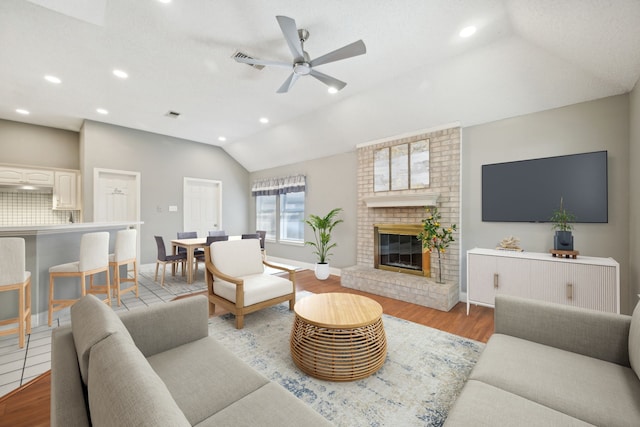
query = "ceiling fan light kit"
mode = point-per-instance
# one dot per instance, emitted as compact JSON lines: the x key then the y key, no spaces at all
{"x":302,"y":64}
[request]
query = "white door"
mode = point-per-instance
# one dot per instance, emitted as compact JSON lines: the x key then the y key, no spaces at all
{"x":202,"y":205}
{"x":116,"y":198}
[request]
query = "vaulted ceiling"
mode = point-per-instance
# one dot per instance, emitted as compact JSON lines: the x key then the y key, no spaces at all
{"x":526,"y":56}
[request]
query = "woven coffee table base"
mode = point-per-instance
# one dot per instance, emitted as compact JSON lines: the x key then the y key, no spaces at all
{"x":338,"y":354}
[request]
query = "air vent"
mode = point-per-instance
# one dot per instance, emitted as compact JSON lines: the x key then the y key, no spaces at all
{"x":173,"y":114}
{"x":242,"y":55}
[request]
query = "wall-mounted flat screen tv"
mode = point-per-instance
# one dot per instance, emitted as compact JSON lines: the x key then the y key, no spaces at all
{"x":530,"y":190}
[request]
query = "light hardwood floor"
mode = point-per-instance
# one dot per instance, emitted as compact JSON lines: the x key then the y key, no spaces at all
{"x":29,"y":405}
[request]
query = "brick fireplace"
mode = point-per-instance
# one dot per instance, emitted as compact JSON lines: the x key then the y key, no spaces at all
{"x":406,"y":208}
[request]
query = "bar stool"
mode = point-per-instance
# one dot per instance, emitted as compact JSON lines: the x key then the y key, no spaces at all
{"x":13,"y":277}
{"x":125,"y":253}
{"x":94,"y":258}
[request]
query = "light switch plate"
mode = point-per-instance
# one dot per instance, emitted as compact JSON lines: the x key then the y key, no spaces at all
{"x":173,"y":208}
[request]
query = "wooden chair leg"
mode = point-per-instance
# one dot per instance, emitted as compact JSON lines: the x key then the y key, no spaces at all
{"x":50,"y":299}
{"x":164,"y":270}
{"x":155,"y":279}
{"x":21,"y":319}
{"x":116,"y":282}
{"x":239,"y":321}
{"x":135,"y":277}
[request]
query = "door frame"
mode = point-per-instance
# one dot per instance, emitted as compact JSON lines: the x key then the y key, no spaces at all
{"x":185,"y":184}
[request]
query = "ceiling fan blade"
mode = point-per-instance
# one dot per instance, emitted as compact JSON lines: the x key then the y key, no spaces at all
{"x":288,"y":84}
{"x":290,"y":32}
{"x":328,"y":80}
{"x":348,"y":51}
{"x":254,"y":61}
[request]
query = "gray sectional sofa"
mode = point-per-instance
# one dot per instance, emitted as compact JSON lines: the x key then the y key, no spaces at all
{"x":157,"y":366}
{"x":554,"y":365}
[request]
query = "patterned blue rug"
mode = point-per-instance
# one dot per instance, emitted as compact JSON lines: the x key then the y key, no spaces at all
{"x":421,"y":378}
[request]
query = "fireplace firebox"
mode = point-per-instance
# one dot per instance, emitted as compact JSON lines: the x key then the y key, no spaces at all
{"x":396,"y":248}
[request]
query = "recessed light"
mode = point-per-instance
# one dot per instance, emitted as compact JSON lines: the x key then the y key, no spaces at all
{"x":52,"y":79}
{"x":222,"y":138}
{"x":332,"y":90}
{"x":468,"y":31}
{"x":102,"y":111}
{"x":22,"y":111}
{"x":264,"y":120}
{"x":120,"y":73}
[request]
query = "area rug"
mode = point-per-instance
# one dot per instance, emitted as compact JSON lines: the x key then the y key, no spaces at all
{"x":421,"y":378}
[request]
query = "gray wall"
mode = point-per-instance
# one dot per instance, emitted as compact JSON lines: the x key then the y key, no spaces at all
{"x":634,"y":194}
{"x":25,"y":144}
{"x":163,"y":162}
{"x":331,"y":183}
{"x":597,"y":125}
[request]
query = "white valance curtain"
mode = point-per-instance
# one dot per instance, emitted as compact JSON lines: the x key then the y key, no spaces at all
{"x":282,"y":185}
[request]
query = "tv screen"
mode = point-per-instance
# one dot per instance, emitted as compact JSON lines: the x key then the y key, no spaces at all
{"x":530,"y":190}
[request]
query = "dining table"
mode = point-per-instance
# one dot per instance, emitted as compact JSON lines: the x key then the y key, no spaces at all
{"x":191,"y":245}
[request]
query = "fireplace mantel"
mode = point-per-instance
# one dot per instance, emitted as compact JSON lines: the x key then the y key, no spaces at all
{"x":402,"y":200}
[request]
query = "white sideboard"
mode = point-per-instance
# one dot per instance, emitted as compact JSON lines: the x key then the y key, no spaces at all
{"x":587,"y":282}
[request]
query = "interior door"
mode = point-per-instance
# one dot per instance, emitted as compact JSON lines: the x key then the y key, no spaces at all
{"x":202,"y":205}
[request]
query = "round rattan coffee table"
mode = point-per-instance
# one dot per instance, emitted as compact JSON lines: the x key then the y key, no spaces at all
{"x":338,"y":336}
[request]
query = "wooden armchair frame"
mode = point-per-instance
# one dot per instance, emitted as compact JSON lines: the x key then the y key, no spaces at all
{"x":237,"y":308}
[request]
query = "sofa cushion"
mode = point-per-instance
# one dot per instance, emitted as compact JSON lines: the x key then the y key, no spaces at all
{"x":91,"y":322}
{"x":634,"y":341}
{"x":483,"y":405}
{"x":204,"y":377}
{"x":257,"y":288}
{"x":237,"y":257}
{"x":272,"y":405}
{"x":595,"y":391}
{"x":125,"y":391}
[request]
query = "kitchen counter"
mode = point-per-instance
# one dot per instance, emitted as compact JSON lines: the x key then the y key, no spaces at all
{"x":49,"y":245}
{"x":32,"y":230}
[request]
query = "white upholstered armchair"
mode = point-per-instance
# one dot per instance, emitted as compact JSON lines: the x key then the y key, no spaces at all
{"x":236,"y":279}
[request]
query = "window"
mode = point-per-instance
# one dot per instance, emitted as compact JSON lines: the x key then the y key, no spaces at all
{"x":280,"y":208}
{"x":292,"y":216}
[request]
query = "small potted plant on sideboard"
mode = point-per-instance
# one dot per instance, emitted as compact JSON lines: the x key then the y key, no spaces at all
{"x":562,"y":219}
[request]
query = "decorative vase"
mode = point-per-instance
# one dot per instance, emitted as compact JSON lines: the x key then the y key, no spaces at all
{"x":426,"y":263}
{"x":563,"y":241}
{"x":322,"y":270}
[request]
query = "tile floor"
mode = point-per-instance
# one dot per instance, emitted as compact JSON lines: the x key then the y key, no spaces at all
{"x":20,"y":365}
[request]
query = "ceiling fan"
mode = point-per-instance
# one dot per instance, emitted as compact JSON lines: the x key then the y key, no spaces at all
{"x":302,"y":65}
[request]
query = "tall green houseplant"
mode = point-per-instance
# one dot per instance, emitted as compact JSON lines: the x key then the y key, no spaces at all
{"x":322,"y":228}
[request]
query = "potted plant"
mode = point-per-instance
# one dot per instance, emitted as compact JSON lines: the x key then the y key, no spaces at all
{"x":322,"y":228}
{"x":436,"y":237}
{"x":562,"y":219}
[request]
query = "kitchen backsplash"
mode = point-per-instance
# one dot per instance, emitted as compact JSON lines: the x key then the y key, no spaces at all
{"x":31,"y":208}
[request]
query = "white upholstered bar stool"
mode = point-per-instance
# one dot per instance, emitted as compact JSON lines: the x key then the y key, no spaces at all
{"x":13,"y":277}
{"x":125,"y":253}
{"x":94,"y":259}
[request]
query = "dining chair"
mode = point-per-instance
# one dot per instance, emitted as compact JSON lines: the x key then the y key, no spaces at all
{"x":164,"y":259}
{"x":94,"y":259}
{"x":14,"y":277}
{"x":217,"y":233}
{"x":125,"y":253}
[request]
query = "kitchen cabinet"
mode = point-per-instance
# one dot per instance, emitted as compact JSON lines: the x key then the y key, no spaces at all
{"x":587,"y":282}
{"x":65,"y":190}
{"x":25,"y":176}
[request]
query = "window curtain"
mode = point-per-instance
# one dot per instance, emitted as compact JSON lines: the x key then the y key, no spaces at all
{"x":275,"y":186}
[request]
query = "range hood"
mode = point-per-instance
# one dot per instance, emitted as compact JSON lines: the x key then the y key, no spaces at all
{"x":36,"y":188}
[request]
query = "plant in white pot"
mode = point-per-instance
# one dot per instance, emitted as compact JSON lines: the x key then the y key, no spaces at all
{"x":562,"y":219}
{"x":322,"y":228}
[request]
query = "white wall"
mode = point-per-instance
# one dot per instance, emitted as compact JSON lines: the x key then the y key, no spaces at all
{"x":634,"y":195}
{"x":163,"y":162}
{"x":591,"y":126}
{"x":331,"y":183}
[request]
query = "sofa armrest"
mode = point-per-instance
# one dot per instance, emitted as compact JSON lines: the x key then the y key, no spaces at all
{"x":592,"y":333}
{"x":161,"y":327}
{"x":68,"y":404}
